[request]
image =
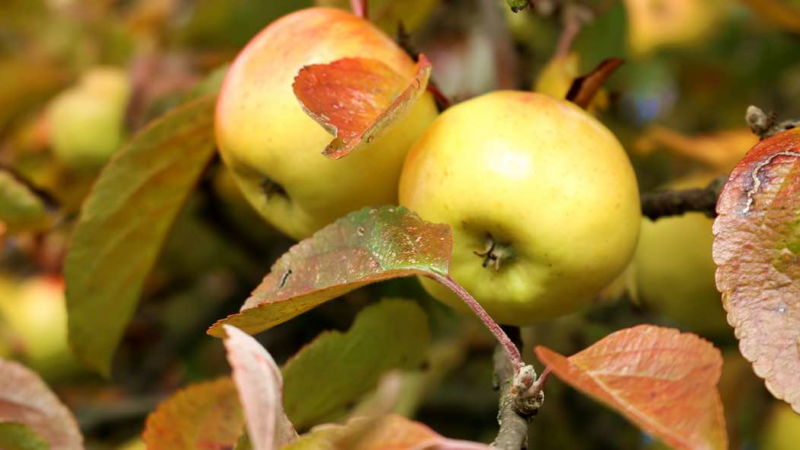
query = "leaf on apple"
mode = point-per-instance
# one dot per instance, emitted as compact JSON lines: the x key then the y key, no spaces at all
{"x":366,"y":246}
{"x":662,"y":380}
{"x":392,"y":334}
{"x":16,"y":436}
{"x":756,"y":245}
{"x":583,"y":89}
{"x":260,"y":385}
{"x":26,"y":400}
{"x":357,"y":99}
{"x":718,"y":151}
{"x":20,"y":208}
{"x":124,"y":223}
{"x":380,"y":433}
{"x":204,"y":415}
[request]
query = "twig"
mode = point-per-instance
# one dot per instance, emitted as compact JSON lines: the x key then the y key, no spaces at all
{"x":502,"y":338}
{"x":575,"y":16}
{"x":766,"y":125}
{"x":675,"y":203}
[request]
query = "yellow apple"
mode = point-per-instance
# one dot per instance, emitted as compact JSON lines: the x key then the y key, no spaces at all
{"x":675,"y":271}
{"x":34,"y":314}
{"x":88,"y":120}
{"x":782,"y":430}
{"x":274,"y":148}
{"x":541,"y":198}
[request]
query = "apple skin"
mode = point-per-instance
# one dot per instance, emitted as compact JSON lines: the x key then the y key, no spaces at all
{"x":539,"y":175}
{"x":265,"y":137}
{"x":782,"y":429}
{"x":87,"y":120}
{"x":675,"y":270}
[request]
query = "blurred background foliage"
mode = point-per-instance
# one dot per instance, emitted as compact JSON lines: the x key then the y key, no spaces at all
{"x":107,"y":67}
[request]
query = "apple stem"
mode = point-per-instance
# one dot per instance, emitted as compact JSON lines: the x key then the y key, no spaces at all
{"x":360,"y":8}
{"x":499,"y":334}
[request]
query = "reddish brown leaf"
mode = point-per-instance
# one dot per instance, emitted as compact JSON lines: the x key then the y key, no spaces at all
{"x":756,"y":247}
{"x":364,"y":247}
{"x":260,"y":386}
{"x":584,"y":88}
{"x":662,"y":380}
{"x":26,"y":400}
{"x":203,"y":416}
{"x":380,"y":433}
{"x":356,"y":99}
{"x":720,"y":150}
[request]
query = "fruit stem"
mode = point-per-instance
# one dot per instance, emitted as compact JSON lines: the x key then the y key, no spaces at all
{"x":499,"y":334}
{"x":360,"y":8}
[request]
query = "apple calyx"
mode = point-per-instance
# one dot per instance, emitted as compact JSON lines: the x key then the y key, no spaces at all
{"x":494,"y":253}
{"x":271,"y":188}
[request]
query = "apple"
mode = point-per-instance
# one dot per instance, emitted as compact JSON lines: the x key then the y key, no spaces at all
{"x":273,"y":147}
{"x":782,"y":429}
{"x":541,"y":198}
{"x":88,"y":120}
{"x":33,"y":315}
{"x":675,"y":270}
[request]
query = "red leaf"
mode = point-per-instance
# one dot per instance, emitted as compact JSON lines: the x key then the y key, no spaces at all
{"x":584,"y":88}
{"x":366,"y":246}
{"x":662,"y":380}
{"x":260,"y":386}
{"x":756,"y":251}
{"x":26,"y":400}
{"x":202,"y":416}
{"x":356,"y":99}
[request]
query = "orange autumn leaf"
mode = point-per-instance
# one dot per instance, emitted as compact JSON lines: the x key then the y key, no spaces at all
{"x":357,"y":99}
{"x":756,"y":245}
{"x":719,"y":151}
{"x":660,"y":379}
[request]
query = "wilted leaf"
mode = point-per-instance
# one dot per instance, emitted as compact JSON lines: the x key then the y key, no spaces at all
{"x":26,"y":400}
{"x":20,"y":208}
{"x":203,"y":416}
{"x":259,"y":383}
{"x":583,"y":89}
{"x":558,"y":76}
{"x":15,"y":436}
{"x":662,"y":380}
{"x":388,"y":14}
{"x":388,"y":335}
{"x":364,"y":247}
{"x":720,"y":151}
{"x":784,"y":13}
{"x":382,"y":433}
{"x":756,"y":245}
{"x":357,"y":99}
{"x":124,"y":222}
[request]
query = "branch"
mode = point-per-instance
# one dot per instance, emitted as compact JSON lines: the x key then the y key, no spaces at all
{"x":675,"y":203}
{"x":521,"y":396}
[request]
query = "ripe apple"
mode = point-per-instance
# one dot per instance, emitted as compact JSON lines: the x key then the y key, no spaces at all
{"x":675,"y":271}
{"x":33,"y":313}
{"x":541,"y":198}
{"x":782,"y":429}
{"x":273,"y":147}
{"x":87,"y":120}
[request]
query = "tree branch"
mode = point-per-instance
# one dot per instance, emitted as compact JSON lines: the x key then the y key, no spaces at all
{"x":675,"y":203}
{"x":513,"y":434}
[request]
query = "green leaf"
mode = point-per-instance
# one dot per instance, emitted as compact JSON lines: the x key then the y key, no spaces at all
{"x":338,"y":368}
{"x":124,"y":222}
{"x":204,"y":415}
{"x":16,"y":436}
{"x":20,"y":208}
{"x":366,"y":246}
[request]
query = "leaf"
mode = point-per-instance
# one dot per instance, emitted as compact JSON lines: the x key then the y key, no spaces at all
{"x":124,"y":223}
{"x":662,"y":380}
{"x":26,"y":400}
{"x":719,"y":150}
{"x":20,"y":208}
{"x":387,"y":335}
{"x":756,"y":247}
{"x":558,"y":76}
{"x":584,"y":89}
{"x":784,"y":13}
{"x":366,"y":246}
{"x":203,"y":416}
{"x":259,"y":383}
{"x":391,"y":432}
{"x":357,"y":99}
{"x":15,"y":436}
